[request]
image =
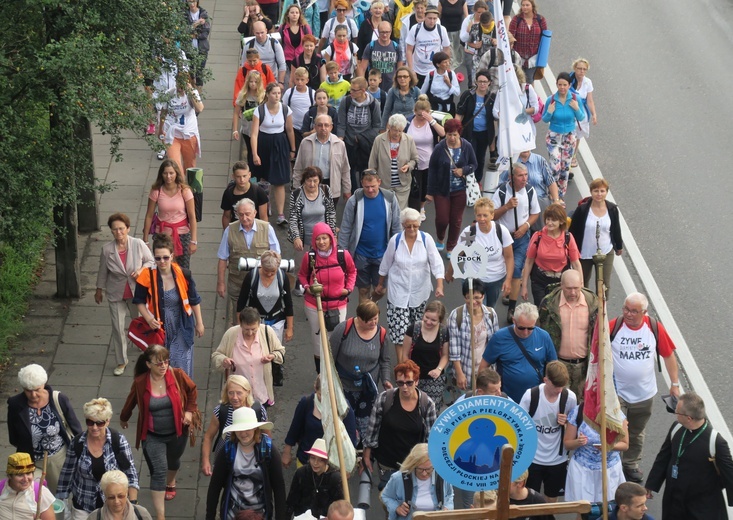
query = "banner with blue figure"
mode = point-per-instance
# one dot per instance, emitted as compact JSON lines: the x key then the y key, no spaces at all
{"x":466,"y":440}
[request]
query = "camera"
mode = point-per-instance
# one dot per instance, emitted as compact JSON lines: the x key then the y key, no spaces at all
{"x":247,"y":264}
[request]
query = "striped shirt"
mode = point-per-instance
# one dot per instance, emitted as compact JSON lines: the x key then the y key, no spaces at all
{"x":460,"y":338}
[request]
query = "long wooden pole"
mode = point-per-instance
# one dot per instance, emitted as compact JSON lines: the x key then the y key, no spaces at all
{"x":598,"y":259}
{"x":470,"y":325}
{"x":317,"y":290}
{"x":40,"y":486}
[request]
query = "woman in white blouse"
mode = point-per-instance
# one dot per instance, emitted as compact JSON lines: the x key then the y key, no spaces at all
{"x":410,"y":258}
{"x":273,"y":145}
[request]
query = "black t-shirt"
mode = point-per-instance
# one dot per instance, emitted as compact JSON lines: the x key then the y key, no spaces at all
{"x":532,"y":498}
{"x":398,"y":433}
{"x":426,"y":355}
{"x":255,"y":194}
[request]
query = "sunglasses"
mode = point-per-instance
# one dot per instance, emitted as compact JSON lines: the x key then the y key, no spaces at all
{"x":161,"y":363}
{"x":519,"y":327}
{"x":162,"y":258}
{"x":403,"y":383}
{"x":98,"y":424}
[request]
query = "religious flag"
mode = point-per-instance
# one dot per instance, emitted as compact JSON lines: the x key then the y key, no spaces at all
{"x":593,"y":406}
{"x":516,"y":132}
{"x":327,"y":418}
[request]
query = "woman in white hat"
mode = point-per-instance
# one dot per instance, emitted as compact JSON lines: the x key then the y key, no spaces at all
{"x":248,"y":470}
{"x":315,"y":486}
{"x":19,"y":491}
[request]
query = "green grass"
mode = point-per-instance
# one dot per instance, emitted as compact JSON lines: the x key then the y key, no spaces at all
{"x":19,"y":271}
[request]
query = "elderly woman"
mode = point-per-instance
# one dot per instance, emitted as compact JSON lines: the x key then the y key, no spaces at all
{"x":249,"y":349}
{"x":237,"y":392}
{"x":452,"y":160}
{"x":167,"y":298}
{"x":41,"y":420}
{"x":176,"y":214}
{"x":267,"y":289}
{"x":247,"y":472}
{"x":426,"y":343}
{"x":403,"y":95}
{"x":401,"y":417}
{"x":394,"y":156}
{"x":369,"y":29}
{"x":18,"y":499}
{"x":310,"y":204}
{"x":166,"y":401}
{"x":563,"y":112}
{"x":527,"y":27}
{"x":117,"y":504}
{"x":335,"y":270}
{"x":552,"y":251}
{"x":497,"y":241}
{"x":411,"y":257}
{"x":361,"y":360}
{"x":593,"y":213}
{"x":120,"y":263}
{"x":437,"y":495}
{"x":485,"y":323}
{"x":315,"y":486}
{"x":306,"y":426}
{"x":94,"y":452}
{"x":426,"y":132}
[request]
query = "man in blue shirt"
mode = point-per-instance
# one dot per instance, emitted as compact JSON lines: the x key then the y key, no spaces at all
{"x":520,"y":370}
{"x":370,"y":219}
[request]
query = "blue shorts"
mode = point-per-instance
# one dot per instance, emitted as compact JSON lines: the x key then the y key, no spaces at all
{"x":520,"y":247}
{"x":367,"y":271}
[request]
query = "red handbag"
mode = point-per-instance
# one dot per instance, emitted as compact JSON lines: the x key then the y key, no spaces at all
{"x":140,"y":333}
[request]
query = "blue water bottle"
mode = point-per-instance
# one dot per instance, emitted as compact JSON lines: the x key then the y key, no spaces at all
{"x":358,"y":380}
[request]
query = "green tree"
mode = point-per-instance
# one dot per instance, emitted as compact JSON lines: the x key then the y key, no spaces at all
{"x":67,"y":66}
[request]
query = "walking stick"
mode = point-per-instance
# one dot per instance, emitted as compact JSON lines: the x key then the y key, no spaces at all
{"x":40,"y":486}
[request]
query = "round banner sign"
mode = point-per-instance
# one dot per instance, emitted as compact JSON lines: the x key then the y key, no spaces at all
{"x":466,"y":440}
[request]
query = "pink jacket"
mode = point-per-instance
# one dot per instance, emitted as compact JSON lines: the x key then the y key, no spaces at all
{"x":329,"y":273}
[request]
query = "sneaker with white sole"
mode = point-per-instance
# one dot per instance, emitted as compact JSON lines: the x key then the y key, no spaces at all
{"x":281,"y":220}
{"x":161,"y":155}
{"x":422,"y":215}
{"x":440,"y":246}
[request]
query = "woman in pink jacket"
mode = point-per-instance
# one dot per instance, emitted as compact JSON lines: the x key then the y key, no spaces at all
{"x":335,"y":270}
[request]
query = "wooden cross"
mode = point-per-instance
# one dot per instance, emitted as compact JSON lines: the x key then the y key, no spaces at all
{"x":505,"y":511}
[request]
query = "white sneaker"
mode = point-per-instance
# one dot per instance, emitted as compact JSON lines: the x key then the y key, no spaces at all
{"x":422,"y":215}
{"x":161,"y":155}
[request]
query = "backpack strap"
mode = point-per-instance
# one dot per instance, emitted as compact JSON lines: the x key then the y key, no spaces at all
{"x":138,"y":515}
{"x":459,"y":317}
{"x":223,"y":414}
{"x":439,"y":491}
{"x":122,"y":462}
{"x":534,"y":400}
{"x":561,"y":409}
{"x":711,"y":449}
{"x":579,"y":418}
{"x":407,"y":486}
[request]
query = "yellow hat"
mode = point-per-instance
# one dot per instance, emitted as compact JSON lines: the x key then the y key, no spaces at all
{"x":20,"y":464}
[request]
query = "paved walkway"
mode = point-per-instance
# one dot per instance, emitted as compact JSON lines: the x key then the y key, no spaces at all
{"x":70,"y":338}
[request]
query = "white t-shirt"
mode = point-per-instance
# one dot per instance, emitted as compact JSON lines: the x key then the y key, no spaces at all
{"x":548,"y":431}
{"x":299,"y":104}
{"x":634,"y":358}
{"x":329,"y":29}
{"x":426,"y":43}
{"x":589,"y":236}
{"x":273,"y":124}
{"x":495,"y":266}
{"x":181,"y":121}
{"x":523,"y":208}
{"x":423,"y":495}
{"x":585,"y":88}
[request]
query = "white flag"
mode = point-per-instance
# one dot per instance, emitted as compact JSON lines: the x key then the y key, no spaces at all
{"x":327,"y":418}
{"x":516,"y":132}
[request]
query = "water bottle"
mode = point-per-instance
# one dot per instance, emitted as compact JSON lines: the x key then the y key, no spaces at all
{"x":358,"y":380}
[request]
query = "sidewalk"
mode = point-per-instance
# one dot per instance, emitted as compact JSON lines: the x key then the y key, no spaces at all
{"x":71,"y":338}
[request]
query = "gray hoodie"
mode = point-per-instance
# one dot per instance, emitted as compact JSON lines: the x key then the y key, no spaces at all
{"x":361,"y":121}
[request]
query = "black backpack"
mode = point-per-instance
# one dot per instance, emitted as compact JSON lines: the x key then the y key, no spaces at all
{"x":439,"y":491}
{"x":499,"y":232}
{"x":530,"y":194}
{"x":534,"y":401}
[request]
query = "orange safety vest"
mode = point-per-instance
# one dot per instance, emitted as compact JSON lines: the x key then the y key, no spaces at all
{"x":152,"y":284}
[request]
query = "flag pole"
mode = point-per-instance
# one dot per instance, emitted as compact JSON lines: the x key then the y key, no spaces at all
{"x":40,"y":486}
{"x":317,"y":290}
{"x":598,"y":259}
{"x":470,"y":324}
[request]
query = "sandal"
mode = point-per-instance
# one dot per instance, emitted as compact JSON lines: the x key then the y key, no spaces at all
{"x":170,"y":492}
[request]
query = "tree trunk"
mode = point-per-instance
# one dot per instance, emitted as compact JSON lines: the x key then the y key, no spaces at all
{"x":68,"y":267}
{"x":87,"y":208}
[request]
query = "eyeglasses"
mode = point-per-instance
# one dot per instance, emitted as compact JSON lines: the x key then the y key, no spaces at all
{"x":385,"y":32}
{"x":355,"y":90}
{"x":581,"y":68}
{"x":403,"y":76}
{"x":519,"y":327}
{"x":425,"y":471}
{"x":162,"y":258}
{"x":98,"y":424}
{"x":633,"y":312}
{"x":403,"y":383}
{"x":160,"y":363}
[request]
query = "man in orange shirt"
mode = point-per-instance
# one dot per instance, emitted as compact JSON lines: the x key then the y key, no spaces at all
{"x":568,"y":313}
